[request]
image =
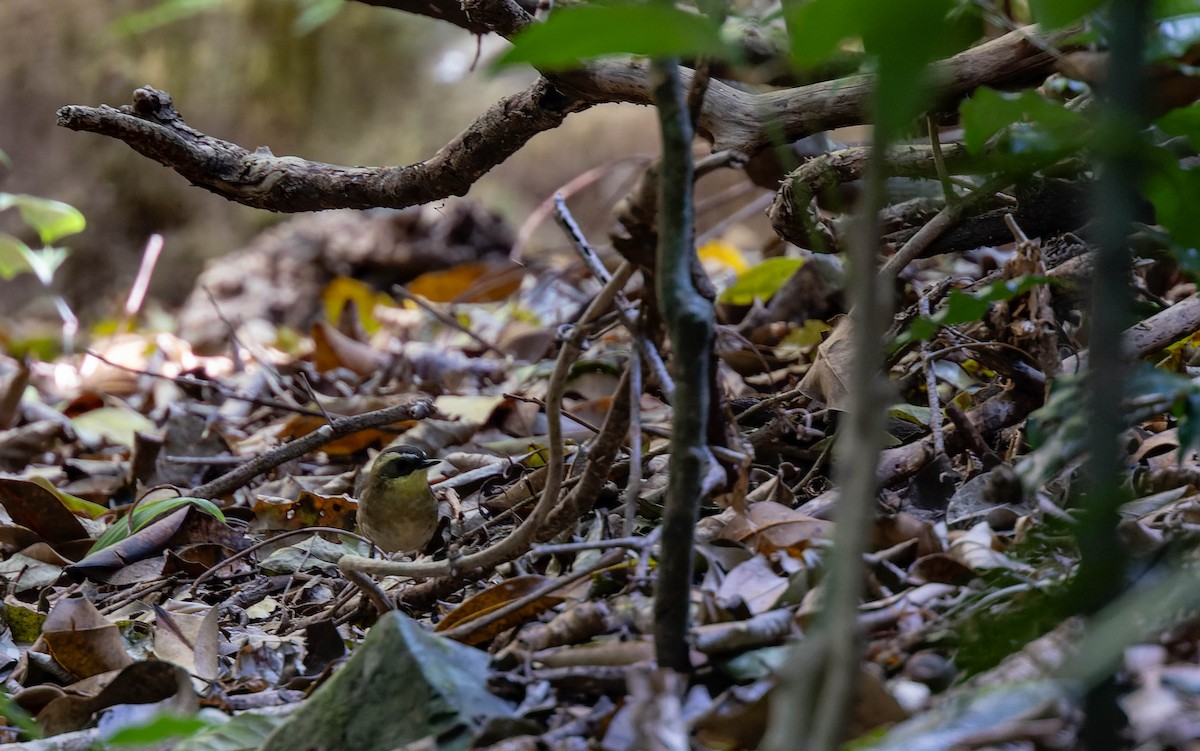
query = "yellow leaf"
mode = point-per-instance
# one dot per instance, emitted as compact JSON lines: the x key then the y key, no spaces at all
{"x":722,"y":254}
{"x":343,"y":291}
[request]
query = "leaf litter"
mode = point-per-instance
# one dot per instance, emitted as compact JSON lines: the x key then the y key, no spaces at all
{"x":135,"y":578}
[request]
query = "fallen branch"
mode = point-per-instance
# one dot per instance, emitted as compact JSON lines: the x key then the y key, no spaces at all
{"x":731,"y":119}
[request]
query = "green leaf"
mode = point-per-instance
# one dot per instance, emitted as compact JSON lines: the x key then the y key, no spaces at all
{"x":1041,"y":126}
{"x":1169,"y":8}
{"x":1184,"y":121}
{"x":52,"y":220}
{"x":145,"y":514}
{"x":316,"y":14}
{"x":818,"y":27}
{"x":1055,"y":13}
{"x":903,"y":36}
{"x":14,"y":257}
{"x":1177,"y":33}
{"x":161,"y":727}
{"x":574,"y":34}
{"x":73,"y":503}
{"x":761,"y":281}
{"x":1171,"y":188}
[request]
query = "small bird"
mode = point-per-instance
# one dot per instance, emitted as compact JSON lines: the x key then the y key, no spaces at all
{"x":396,"y":508}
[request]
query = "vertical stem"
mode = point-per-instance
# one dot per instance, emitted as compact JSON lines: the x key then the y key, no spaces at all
{"x":689,"y":319}
{"x":821,"y":675}
{"x":1102,"y":559}
{"x":1102,"y":566}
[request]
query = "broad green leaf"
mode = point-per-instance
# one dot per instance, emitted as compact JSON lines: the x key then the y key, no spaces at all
{"x":4,"y":159}
{"x":1169,"y":8}
{"x":14,"y":257}
{"x":762,"y":281}
{"x":244,"y":731}
{"x":52,"y":220}
{"x":1041,"y":126}
{"x":1184,"y":121}
{"x":145,"y":514}
{"x":161,"y":727}
{"x":1171,"y":189}
{"x":818,"y":27}
{"x":574,"y":34}
{"x":903,"y":36}
{"x":1055,"y":13}
{"x":911,"y":412}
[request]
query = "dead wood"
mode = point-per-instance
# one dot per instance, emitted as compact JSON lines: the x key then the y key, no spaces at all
{"x":731,"y":119}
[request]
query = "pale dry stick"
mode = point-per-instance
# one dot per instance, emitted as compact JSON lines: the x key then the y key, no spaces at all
{"x":634,"y":486}
{"x":566,"y":412}
{"x":632,"y":543}
{"x":448,"y":320}
{"x":732,"y":193}
{"x":459,"y":633}
{"x":141,"y":283}
{"x":519,"y":540}
{"x":935,"y":407}
{"x":624,"y":308}
{"x":187,"y":380}
{"x":934,"y":228}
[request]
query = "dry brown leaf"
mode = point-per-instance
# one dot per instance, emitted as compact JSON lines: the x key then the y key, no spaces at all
{"x":754,"y":583}
{"x":332,"y":350}
{"x":477,"y":282}
{"x":82,"y":640}
{"x":495,"y":597}
{"x":768,"y":527}
{"x":826,"y":380}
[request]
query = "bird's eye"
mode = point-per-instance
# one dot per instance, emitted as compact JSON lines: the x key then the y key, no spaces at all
{"x":396,"y":468}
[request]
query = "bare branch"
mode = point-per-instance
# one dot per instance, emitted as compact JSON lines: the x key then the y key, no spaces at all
{"x":459,"y":14}
{"x":732,"y":119}
{"x":153,"y":128}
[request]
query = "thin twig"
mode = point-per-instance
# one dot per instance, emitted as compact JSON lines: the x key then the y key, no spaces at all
{"x":629,"y":316}
{"x":193,"y":382}
{"x":141,"y":282}
{"x":933,"y":229}
{"x":935,"y":407}
{"x":633,"y":487}
{"x":448,"y":320}
{"x":632,"y":543}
